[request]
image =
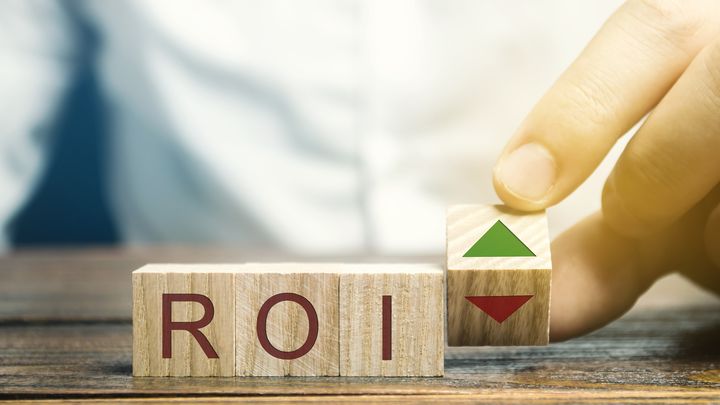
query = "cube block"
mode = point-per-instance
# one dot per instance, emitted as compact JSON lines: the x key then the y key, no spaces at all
{"x":392,"y":320}
{"x":184,"y":320}
{"x":498,"y":275}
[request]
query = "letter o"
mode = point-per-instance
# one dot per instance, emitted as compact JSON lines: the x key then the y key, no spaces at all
{"x":312,"y":326}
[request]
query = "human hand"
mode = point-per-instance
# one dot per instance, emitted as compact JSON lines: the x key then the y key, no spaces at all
{"x":661,"y":203}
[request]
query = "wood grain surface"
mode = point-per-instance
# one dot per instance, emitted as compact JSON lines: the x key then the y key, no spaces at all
{"x":468,"y":326}
{"x":288,"y":323}
{"x":216,"y":282}
{"x":468,"y":223}
{"x":415,"y":333}
{"x":66,"y":335}
{"x":497,"y":276}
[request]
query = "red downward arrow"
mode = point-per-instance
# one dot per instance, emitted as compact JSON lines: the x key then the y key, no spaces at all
{"x":499,"y":307}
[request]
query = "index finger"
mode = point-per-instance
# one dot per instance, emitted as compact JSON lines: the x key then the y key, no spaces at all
{"x":622,"y":73}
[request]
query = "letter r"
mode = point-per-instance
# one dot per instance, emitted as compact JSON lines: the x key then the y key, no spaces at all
{"x":193,"y":327}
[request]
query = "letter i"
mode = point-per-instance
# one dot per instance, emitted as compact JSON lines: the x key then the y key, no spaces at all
{"x":387,"y":327}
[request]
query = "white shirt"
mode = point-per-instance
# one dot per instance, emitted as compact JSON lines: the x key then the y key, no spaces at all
{"x":317,"y":126}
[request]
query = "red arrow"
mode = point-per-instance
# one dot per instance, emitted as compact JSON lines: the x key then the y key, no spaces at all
{"x":499,"y":307}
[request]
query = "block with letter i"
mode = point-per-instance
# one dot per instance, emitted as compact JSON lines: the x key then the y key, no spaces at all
{"x":392,"y":320}
{"x":498,"y":275}
{"x":183,"y":320}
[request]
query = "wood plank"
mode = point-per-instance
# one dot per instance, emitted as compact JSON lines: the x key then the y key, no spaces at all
{"x":499,"y":267}
{"x":198,"y":301}
{"x":287,"y":319}
{"x":392,"y":320}
{"x":654,"y":354}
{"x":698,"y":396}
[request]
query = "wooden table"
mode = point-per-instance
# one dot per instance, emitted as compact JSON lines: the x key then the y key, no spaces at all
{"x":65,"y":334}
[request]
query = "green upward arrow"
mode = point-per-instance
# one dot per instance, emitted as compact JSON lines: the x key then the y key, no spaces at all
{"x":498,"y":241}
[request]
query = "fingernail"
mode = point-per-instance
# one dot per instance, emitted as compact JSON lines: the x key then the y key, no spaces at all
{"x":528,"y":172}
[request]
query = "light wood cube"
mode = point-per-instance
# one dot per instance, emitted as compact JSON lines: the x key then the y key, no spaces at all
{"x":287,"y":320}
{"x":183,"y":320}
{"x":498,"y":270}
{"x":392,"y":320}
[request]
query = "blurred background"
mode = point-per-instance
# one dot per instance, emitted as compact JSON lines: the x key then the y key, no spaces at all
{"x":323,"y":127}
{"x":68,"y":204}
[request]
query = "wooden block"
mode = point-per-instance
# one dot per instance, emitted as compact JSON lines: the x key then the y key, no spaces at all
{"x":392,"y":320}
{"x":287,"y":320}
{"x":183,"y":320}
{"x":499,"y":266}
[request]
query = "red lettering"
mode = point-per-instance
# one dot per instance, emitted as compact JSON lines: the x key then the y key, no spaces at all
{"x":387,"y":327}
{"x":312,"y":326}
{"x":193,"y":327}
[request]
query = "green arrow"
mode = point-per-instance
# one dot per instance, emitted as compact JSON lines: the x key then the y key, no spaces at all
{"x":498,"y":241}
